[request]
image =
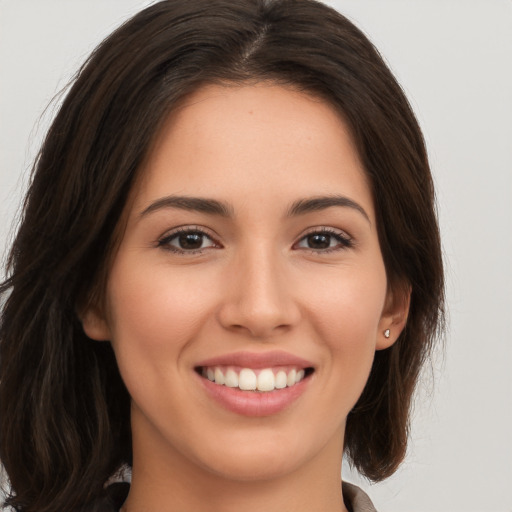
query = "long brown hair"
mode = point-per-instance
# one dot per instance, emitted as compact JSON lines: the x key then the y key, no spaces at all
{"x":64,"y":411}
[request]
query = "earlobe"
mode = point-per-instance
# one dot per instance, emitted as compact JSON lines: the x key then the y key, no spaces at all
{"x":94,"y":324}
{"x":394,"y":317}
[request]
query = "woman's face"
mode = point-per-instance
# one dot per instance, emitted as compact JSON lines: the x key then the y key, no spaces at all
{"x":250,"y":257}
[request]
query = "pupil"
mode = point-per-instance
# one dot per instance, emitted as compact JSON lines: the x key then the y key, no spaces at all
{"x":191,"y":240}
{"x":319,"y":241}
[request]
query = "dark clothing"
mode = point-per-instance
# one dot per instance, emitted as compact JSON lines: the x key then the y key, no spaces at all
{"x":355,"y":499}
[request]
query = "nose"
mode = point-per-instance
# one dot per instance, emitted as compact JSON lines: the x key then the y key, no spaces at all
{"x":259,"y":299}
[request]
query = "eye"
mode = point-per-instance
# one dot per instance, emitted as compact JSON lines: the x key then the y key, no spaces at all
{"x":187,"y":240}
{"x":325,"y":240}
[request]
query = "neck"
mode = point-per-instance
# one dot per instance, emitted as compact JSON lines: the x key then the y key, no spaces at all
{"x":165,"y":480}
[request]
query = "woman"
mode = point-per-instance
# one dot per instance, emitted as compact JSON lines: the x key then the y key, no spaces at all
{"x":228,"y":271}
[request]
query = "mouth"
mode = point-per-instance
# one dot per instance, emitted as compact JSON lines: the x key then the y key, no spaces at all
{"x":260,"y":380}
{"x":255,"y":384}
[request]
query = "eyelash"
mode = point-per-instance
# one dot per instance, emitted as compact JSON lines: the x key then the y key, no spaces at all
{"x":344,"y":240}
{"x":165,"y":241}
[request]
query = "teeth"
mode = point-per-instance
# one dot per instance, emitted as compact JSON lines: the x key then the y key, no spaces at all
{"x":281,"y":379}
{"x":231,"y":379}
{"x":266,"y":380}
{"x":219,"y":376}
{"x":249,"y":380}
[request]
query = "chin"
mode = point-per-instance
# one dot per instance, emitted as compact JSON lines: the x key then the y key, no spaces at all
{"x":265,"y":454}
{"x":254,"y":467}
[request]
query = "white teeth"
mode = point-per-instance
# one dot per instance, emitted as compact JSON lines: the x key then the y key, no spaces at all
{"x":290,"y":381}
{"x":231,"y":379}
{"x":266,"y":380}
{"x":281,"y":379}
{"x":219,"y":376}
{"x":247,"y":379}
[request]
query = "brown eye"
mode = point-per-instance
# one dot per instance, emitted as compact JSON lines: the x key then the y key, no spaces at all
{"x":318,"y":241}
{"x":187,"y":241}
{"x":324,"y":241}
{"x":190,"y":241}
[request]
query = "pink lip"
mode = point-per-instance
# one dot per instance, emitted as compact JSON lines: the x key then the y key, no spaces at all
{"x":254,"y":403}
{"x":256,"y":360}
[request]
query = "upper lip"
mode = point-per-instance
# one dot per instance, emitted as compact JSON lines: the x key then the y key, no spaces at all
{"x":257,"y":360}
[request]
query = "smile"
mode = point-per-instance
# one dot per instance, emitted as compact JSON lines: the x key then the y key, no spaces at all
{"x":262,"y":379}
{"x":255,"y":384}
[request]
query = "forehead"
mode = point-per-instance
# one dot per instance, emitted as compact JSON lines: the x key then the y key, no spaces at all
{"x":253,"y":140}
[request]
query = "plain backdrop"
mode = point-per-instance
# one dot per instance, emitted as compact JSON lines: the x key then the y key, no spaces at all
{"x":454,"y":60}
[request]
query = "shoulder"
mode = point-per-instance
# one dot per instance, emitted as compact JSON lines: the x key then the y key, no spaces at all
{"x":356,"y":499}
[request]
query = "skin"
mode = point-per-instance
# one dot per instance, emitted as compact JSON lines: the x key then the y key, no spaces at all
{"x":256,"y":285}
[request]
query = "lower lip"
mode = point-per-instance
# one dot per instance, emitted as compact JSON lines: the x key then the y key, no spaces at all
{"x":254,"y":403}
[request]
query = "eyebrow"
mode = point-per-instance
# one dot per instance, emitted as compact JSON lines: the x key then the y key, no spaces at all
{"x":314,"y":204}
{"x":198,"y":204}
{"x":215,"y":207}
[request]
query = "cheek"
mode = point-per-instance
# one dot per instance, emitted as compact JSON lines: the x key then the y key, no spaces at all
{"x":153,"y":314}
{"x":346,"y":313}
{"x":155,"y":305}
{"x":350,"y":303}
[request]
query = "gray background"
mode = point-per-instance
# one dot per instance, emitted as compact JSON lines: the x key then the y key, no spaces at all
{"x":454,"y":60}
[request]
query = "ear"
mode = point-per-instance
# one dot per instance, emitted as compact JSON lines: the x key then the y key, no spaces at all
{"x":394,"y":316}
{"x":94,"y":323}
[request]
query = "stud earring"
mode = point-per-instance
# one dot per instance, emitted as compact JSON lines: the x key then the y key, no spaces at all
{"x":387,"y":333}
